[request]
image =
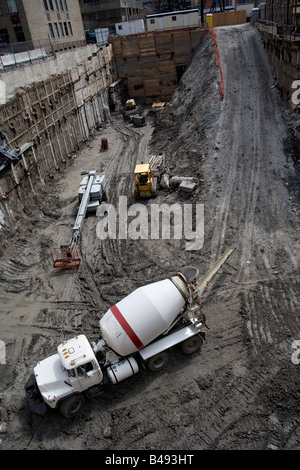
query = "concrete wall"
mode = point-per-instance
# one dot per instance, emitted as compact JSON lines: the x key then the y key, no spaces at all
{"x":18,"y":77}
{"x":55,"y":115}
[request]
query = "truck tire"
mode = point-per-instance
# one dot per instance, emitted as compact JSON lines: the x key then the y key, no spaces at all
{"x":71,"y":406}
{"x":191,"y":345}
{"x":157,"y":362}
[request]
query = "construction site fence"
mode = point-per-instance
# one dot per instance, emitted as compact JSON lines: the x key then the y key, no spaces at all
{"x":19,"y":52}
{"x":226,"y":18}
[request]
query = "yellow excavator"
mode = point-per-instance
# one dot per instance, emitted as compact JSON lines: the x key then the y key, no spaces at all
{"x":145,"y":183}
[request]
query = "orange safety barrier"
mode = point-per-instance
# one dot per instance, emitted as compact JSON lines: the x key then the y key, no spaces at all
{"x":217,"y":59}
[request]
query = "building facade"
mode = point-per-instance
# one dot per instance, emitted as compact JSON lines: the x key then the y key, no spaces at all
{"x":163,"y":6}
{"x":40,"y":21}
{"x":102,"y":13}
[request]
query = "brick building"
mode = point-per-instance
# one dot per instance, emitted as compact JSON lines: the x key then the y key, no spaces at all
{"x":35,"y":21}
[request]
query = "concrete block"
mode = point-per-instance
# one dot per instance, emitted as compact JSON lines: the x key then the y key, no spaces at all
{"x":187,"y":186}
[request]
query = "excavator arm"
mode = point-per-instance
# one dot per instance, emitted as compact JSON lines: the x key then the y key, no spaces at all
{"x":67,"y":256}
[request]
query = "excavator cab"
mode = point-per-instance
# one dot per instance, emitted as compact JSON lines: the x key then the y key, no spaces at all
{"x":144,"y":181}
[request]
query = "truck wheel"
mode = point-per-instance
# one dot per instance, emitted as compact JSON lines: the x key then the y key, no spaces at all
{"x":71,"y":406}
{"x":157,"y":362}
{"x":191,"y":345}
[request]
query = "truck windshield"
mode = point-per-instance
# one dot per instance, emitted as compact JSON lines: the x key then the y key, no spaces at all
{"x":71,"y":372}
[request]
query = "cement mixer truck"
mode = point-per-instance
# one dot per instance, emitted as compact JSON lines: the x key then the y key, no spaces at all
{"x":137,"y":332}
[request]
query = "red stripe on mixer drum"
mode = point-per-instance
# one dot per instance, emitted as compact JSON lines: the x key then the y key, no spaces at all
{"x":126,"y":327}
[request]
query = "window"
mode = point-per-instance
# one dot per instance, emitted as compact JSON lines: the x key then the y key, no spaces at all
{"x":61,"y":4}
{"x":56,"y":30}
{"x":70,"y":28}
{"x":71,"y":372}
{"x":51,"y":5}
{"x":56,"y":5}
{"x":4,"y":36}
{"x":66,"y":6}
{"x":152,"y":21}
{"x":51,"y":31}
{"x":84,"y":369}
{"x":46,"y":5}
{"x":174,"y":18}
{"x":120,"y":27}
{"x":12,"y":7}
{"x":19,"y":33}
{"x":66,"y":29}
{"x":61,"y":29}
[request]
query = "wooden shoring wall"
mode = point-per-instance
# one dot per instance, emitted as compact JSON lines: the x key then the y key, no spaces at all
{"x":226,"y":18}
{"x":284,"y":57}
{"x":55,"y":115}
{"x":147,"y":63}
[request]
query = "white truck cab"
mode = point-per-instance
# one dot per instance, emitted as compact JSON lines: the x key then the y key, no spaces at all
{"x":78,"y":360}
{"x":68,"y":373}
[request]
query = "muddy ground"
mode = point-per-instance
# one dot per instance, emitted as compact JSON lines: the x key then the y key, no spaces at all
{"x":243,"y":390}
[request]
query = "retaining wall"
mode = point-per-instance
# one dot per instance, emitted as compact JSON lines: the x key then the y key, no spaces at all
{"x":284,"y":56}
{"x":151,"y":65}
{"x":53,"y":116}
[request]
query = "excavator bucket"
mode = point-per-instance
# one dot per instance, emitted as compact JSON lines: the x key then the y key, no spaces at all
{"x":65,"y":257}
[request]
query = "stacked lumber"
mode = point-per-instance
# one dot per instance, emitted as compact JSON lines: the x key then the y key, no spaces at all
{"x":147,"y":63}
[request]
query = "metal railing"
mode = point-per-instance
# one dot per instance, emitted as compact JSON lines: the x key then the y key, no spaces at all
{"x":27,"y":51}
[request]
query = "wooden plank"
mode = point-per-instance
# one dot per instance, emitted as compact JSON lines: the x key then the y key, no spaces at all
{"x":164,"y":44}
{"x":133,"y":93}
{"x":227,"y":18}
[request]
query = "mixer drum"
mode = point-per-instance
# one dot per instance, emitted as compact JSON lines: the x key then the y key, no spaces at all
{"x":142,"y":316}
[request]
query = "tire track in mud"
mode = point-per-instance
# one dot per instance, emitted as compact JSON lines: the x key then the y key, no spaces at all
{"x":266,"y":293}
{"x":131,"y":148}
{"x":272,"y":316}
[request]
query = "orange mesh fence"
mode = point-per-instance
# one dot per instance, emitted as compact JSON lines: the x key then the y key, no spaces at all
{"x":217,"y":59}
